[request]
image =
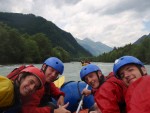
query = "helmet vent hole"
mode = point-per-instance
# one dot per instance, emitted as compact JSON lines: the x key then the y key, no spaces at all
{"x":56,"y":62}
{"x":122,"y":58}
{"x":85,"y":68}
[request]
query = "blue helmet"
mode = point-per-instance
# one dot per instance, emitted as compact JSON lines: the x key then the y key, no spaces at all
{"x":122,"y":61}
{"x":88,"y":69}
{"x":55,"y":63}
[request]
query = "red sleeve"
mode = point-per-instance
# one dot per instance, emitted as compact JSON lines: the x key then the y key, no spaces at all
{"x":34,"y":109}
{"x":138,"y":96}
{"x":55,"y":91}
{"x":30,"y":104}
{"x":110,"y":96}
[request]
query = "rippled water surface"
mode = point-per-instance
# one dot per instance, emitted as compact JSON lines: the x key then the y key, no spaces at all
{"x":71,"y":71}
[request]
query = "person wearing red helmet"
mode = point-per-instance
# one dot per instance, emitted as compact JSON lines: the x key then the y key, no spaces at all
{"x":108,"y":92}
{"x":39,"y":102}
{"x":27,"y":82}
{"x":133,"y":73}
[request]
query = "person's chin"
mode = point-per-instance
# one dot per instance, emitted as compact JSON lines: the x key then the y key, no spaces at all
{"x":23,"y":94}
{"x":48,"y":80}
{"x":94,"y":86}
{"x":131,"y":81}
{"x":52,"y":80}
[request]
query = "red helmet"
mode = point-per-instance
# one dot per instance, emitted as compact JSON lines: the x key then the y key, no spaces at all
{"x":37,"y":72}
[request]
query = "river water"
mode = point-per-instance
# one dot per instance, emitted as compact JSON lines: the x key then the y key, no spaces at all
{"x":71,"y":70}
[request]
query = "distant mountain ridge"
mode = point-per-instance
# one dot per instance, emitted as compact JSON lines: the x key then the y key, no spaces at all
{"x":31,"y":24}
{"x":141,"y":39}
{"x":95,"y":48}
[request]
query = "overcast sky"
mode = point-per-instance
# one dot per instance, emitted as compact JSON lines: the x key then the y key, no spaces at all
{"x":112,"y":22}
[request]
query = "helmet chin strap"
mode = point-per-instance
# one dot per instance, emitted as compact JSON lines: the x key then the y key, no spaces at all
{"x":100,"y":78}
{"x":45,"y":67}
{"x":139,"y":67}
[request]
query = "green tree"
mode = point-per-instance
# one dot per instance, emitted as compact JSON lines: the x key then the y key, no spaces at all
{"x":31,"y":51}
{"x":11,"y":45}
{"x":144,"y":50}
{"x":61,"y":54}
{"x":43,"y":44}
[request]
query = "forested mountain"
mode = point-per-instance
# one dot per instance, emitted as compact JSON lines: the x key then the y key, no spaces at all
{"x":141,"y":39}
{"x":95,"y":48}
{"x":31,"y":39}
{"x":31,"y":24}
{"x":140,"y":50}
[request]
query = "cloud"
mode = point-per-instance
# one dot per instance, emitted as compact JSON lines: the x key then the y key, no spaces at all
{"x":112,"y":22}
{"x":139,"y":6}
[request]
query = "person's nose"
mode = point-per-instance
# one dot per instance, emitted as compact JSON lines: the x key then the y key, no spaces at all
{"x":32,"y":87}
{"x":126,"y":74}
{"x":89,"y":79}
{"x":54,"y":74}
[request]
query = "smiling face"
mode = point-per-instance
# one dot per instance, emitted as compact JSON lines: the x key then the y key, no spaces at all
{"x":51,"y":74}
{"x":93,"y":80}
{"x":29,"y":85}
{"x":130,"y":73}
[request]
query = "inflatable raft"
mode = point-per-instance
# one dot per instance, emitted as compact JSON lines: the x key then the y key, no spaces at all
{"x":73,"y":95}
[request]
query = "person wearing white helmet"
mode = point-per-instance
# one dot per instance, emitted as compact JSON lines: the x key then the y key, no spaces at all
{"x":133,"y":73}
{"x":40,"y":101}
{"x":27,"y":82}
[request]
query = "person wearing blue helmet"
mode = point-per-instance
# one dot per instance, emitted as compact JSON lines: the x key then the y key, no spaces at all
{"x":40,"y":102}
{"x":129,"y":69}
{"x":52,"y":67}
{"x":133,"y":73}
{"x":108,"y":92}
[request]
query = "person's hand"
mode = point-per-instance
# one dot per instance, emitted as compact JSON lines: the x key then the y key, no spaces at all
{"x":60,"y":101}
{"x":86,"y":92}
{"x":62,"y":109}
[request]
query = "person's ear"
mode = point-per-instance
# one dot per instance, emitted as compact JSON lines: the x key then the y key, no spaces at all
{"x":99,"y":73}
{"x":43,"y":66}
{"x":20,"y":77}
{"x":144,"y":70}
